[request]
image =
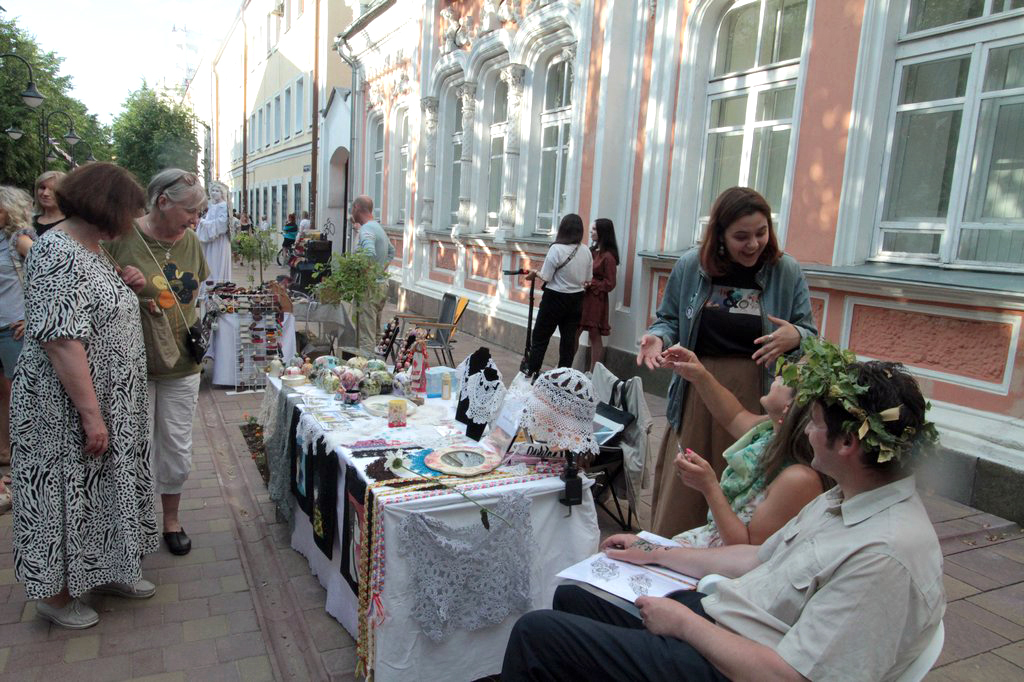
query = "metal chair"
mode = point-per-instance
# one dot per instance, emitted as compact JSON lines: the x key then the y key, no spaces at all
{"x":442,"y":330}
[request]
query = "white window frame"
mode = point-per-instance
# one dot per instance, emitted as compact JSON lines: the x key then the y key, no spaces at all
{"x":300,"y":104}
{"x":259,"y":128}
{"x":398,"y":197}
{"x":287,"y":113}
{"x":375,"y":162}
{"x":975,"y":38}
{"x":449,"y":134}
{"x":496,"y":129}
{"x":751,"y":82}
{"x":556,"y":117}
{"x":277,"y":118}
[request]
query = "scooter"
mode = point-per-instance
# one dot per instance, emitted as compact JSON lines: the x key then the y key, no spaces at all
{"x":524,"y":366}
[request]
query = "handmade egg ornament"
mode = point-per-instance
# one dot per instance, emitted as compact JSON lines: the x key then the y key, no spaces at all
{"x":369,"y":387}
{"x":401,"y":384}
{"x":329,"y":383}
{"x":357,"y":362}
{"x":327,"y":361}
{"x":376,"y":365}
{"x":292,"y":371}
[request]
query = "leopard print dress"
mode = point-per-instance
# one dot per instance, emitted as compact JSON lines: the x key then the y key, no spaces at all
{"x":79,"y":521}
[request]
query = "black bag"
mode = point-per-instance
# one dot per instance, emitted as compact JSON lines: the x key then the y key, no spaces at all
{"x":194,"y":342}
{"x":615,"y":412}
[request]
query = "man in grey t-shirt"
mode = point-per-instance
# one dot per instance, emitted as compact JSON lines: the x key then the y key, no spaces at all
{"x":373,"y":240}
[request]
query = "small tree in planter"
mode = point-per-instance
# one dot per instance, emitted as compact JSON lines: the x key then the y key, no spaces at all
{"x":354,"y":277}
{"x":256,"y":246}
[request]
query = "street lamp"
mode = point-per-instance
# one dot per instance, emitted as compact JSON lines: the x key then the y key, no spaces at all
{"x":31,"y":96}
{"x":70,"y":137}
{"x":81,"y":145}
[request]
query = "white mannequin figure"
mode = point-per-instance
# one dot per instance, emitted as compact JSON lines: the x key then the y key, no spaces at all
{"x":215,"y":236}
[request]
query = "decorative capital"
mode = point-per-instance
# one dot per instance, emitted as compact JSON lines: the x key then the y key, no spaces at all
{"x":428,"y":105}
{"x":514,"y":76}
{"x":569,"y":53}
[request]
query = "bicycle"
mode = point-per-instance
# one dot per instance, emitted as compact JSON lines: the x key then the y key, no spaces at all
{"x":285,"y":254}
{"x":328,"y":229}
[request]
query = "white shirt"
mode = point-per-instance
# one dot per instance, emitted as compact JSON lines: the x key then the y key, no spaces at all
{"x":570,"y":277}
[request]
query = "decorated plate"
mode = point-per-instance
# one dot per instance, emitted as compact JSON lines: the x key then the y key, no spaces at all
{"x":463,"y":460}
{"x":377,"y":405}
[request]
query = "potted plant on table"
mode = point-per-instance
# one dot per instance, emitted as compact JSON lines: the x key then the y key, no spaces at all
{"x":355,"y":277}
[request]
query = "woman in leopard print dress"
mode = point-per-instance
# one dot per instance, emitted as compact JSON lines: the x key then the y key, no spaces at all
{"x":83,"y":491}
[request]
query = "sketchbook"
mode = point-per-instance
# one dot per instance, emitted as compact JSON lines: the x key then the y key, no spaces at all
{"x":627,"y":580}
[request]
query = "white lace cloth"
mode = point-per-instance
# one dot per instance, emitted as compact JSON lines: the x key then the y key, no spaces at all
{"x":484,"y":396}
{"x":469,"y":577}
{"x":560,"y":411}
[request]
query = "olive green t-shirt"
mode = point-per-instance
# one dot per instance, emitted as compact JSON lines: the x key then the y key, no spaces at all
{"x":173,"y":275}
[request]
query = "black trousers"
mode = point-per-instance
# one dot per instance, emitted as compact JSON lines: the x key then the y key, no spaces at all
{"x":557,"y":311}
{"x":588,"y":638}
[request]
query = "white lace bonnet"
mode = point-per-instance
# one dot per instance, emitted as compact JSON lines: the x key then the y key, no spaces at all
{"x":560,"y":411}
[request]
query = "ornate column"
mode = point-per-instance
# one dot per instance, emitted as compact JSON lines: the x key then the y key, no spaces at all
{"x":514,"y":76}
{"x":467,"y":92}
{"x":428,"y":105}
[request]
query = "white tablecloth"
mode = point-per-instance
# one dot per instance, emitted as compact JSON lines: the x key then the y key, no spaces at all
{"x":402,"y":651}
{"x":224,"y":346}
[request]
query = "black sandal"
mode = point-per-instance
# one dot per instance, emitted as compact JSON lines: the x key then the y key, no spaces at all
{"x":178,"y":542}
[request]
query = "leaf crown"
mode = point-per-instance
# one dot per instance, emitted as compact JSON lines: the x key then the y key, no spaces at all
{"x":828,"y":373}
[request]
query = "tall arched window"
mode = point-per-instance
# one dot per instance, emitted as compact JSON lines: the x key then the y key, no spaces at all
{"x":455,"y":161}
{"x":751,"y":100}
{"x":496,"y":165}
{"x":555,"y":130}
{"x":400,"y":183}
{"x":378,"y":166}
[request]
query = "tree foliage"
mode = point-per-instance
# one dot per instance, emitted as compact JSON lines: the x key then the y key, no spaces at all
{"x":152,"y":133}
{"x":22,"y":160}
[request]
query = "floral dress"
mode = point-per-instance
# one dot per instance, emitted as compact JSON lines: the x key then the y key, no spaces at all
{"x":79,"y":520}
{"x":743,"y":482}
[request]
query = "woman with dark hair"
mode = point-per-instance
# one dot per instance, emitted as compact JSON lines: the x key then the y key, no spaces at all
{"x":164,"y":246}
{"x":605,"y":253}
{"x":290,"y":232}
{"x":567,"y":266}
{"x":739,"y":303}
{"x":83,"y":491}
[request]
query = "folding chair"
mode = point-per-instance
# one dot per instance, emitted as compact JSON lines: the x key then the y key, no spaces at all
{"x":442,"y":330}
{"x":607,"y":470}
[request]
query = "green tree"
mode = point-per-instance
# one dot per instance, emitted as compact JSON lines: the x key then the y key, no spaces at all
{"x":151,"y":134}
{"x":22,"y":160}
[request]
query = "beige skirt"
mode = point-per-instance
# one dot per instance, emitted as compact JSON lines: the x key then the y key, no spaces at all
{"x":674,"y":506}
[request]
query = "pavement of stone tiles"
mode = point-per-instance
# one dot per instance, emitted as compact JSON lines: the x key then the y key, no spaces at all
{"x":243,"y":605}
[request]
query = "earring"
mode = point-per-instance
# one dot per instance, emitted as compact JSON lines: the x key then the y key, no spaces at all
{"x":721,"y":250}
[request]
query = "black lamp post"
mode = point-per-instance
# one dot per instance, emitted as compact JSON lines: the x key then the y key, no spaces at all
{"x":31,"y":96}
{"x":81,"y":145}
{"x":70,"y":137}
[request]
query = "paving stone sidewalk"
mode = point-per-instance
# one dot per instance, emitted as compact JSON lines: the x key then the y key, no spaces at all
{"x":243,"y":605}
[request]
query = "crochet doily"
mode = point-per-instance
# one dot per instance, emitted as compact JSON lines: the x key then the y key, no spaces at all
{"x":484,"y":396}
{"x":560,"y":411}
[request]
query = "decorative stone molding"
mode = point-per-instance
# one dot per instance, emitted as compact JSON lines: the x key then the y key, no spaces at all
{"x":514,"y":76}
{"x":496,"y":14}
{"x":569,"y":53}
{"x":428,"y":105}
{"x":455,"y":33}
{"x":652,"y":6}
{"x":538,"y":4}
{"x":467,"y":93}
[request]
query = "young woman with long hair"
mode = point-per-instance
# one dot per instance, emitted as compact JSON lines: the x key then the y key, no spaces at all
{"x":605,"y":252}
{"x":567,"y":266}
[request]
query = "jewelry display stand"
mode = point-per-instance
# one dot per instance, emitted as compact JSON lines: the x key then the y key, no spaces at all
{"x":258,"y":338}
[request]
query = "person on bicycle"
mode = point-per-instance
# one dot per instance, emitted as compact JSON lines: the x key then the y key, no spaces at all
{"x":290,"y":231}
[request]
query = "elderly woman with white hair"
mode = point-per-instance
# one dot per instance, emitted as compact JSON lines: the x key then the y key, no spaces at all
{"x":163,"y":245}
{"x":215,"y":234}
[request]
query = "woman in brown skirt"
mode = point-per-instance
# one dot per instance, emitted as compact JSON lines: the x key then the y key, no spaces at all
{"x":739,"y":303}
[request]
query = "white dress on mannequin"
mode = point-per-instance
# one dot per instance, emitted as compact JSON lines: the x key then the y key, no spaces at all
{"x":215,"y":236}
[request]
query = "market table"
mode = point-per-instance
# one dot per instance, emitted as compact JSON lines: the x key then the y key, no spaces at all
{"x":223,"y":348}
{"x":376,"y":599}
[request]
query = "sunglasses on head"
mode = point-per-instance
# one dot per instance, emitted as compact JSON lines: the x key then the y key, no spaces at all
{"x":189,"y":179}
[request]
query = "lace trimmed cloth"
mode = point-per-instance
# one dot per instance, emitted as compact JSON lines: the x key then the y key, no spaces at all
{"x":484,"y":396}
{"x":276,"y":446}
{"x":469,"y":577}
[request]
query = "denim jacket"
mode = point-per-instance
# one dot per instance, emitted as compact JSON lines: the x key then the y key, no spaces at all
{"x":784,"y":295}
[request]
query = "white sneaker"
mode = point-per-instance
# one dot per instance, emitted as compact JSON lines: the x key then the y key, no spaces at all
{"x":75,"y":615}
{"x":140,"y":590}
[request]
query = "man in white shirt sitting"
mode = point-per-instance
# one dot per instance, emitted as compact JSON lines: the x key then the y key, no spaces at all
{"x":850,"y":589}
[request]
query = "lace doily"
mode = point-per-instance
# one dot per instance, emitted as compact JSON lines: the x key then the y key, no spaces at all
{"x":484,"y":396}
{"x":560,"y":411}
{"x":469,"y":577}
